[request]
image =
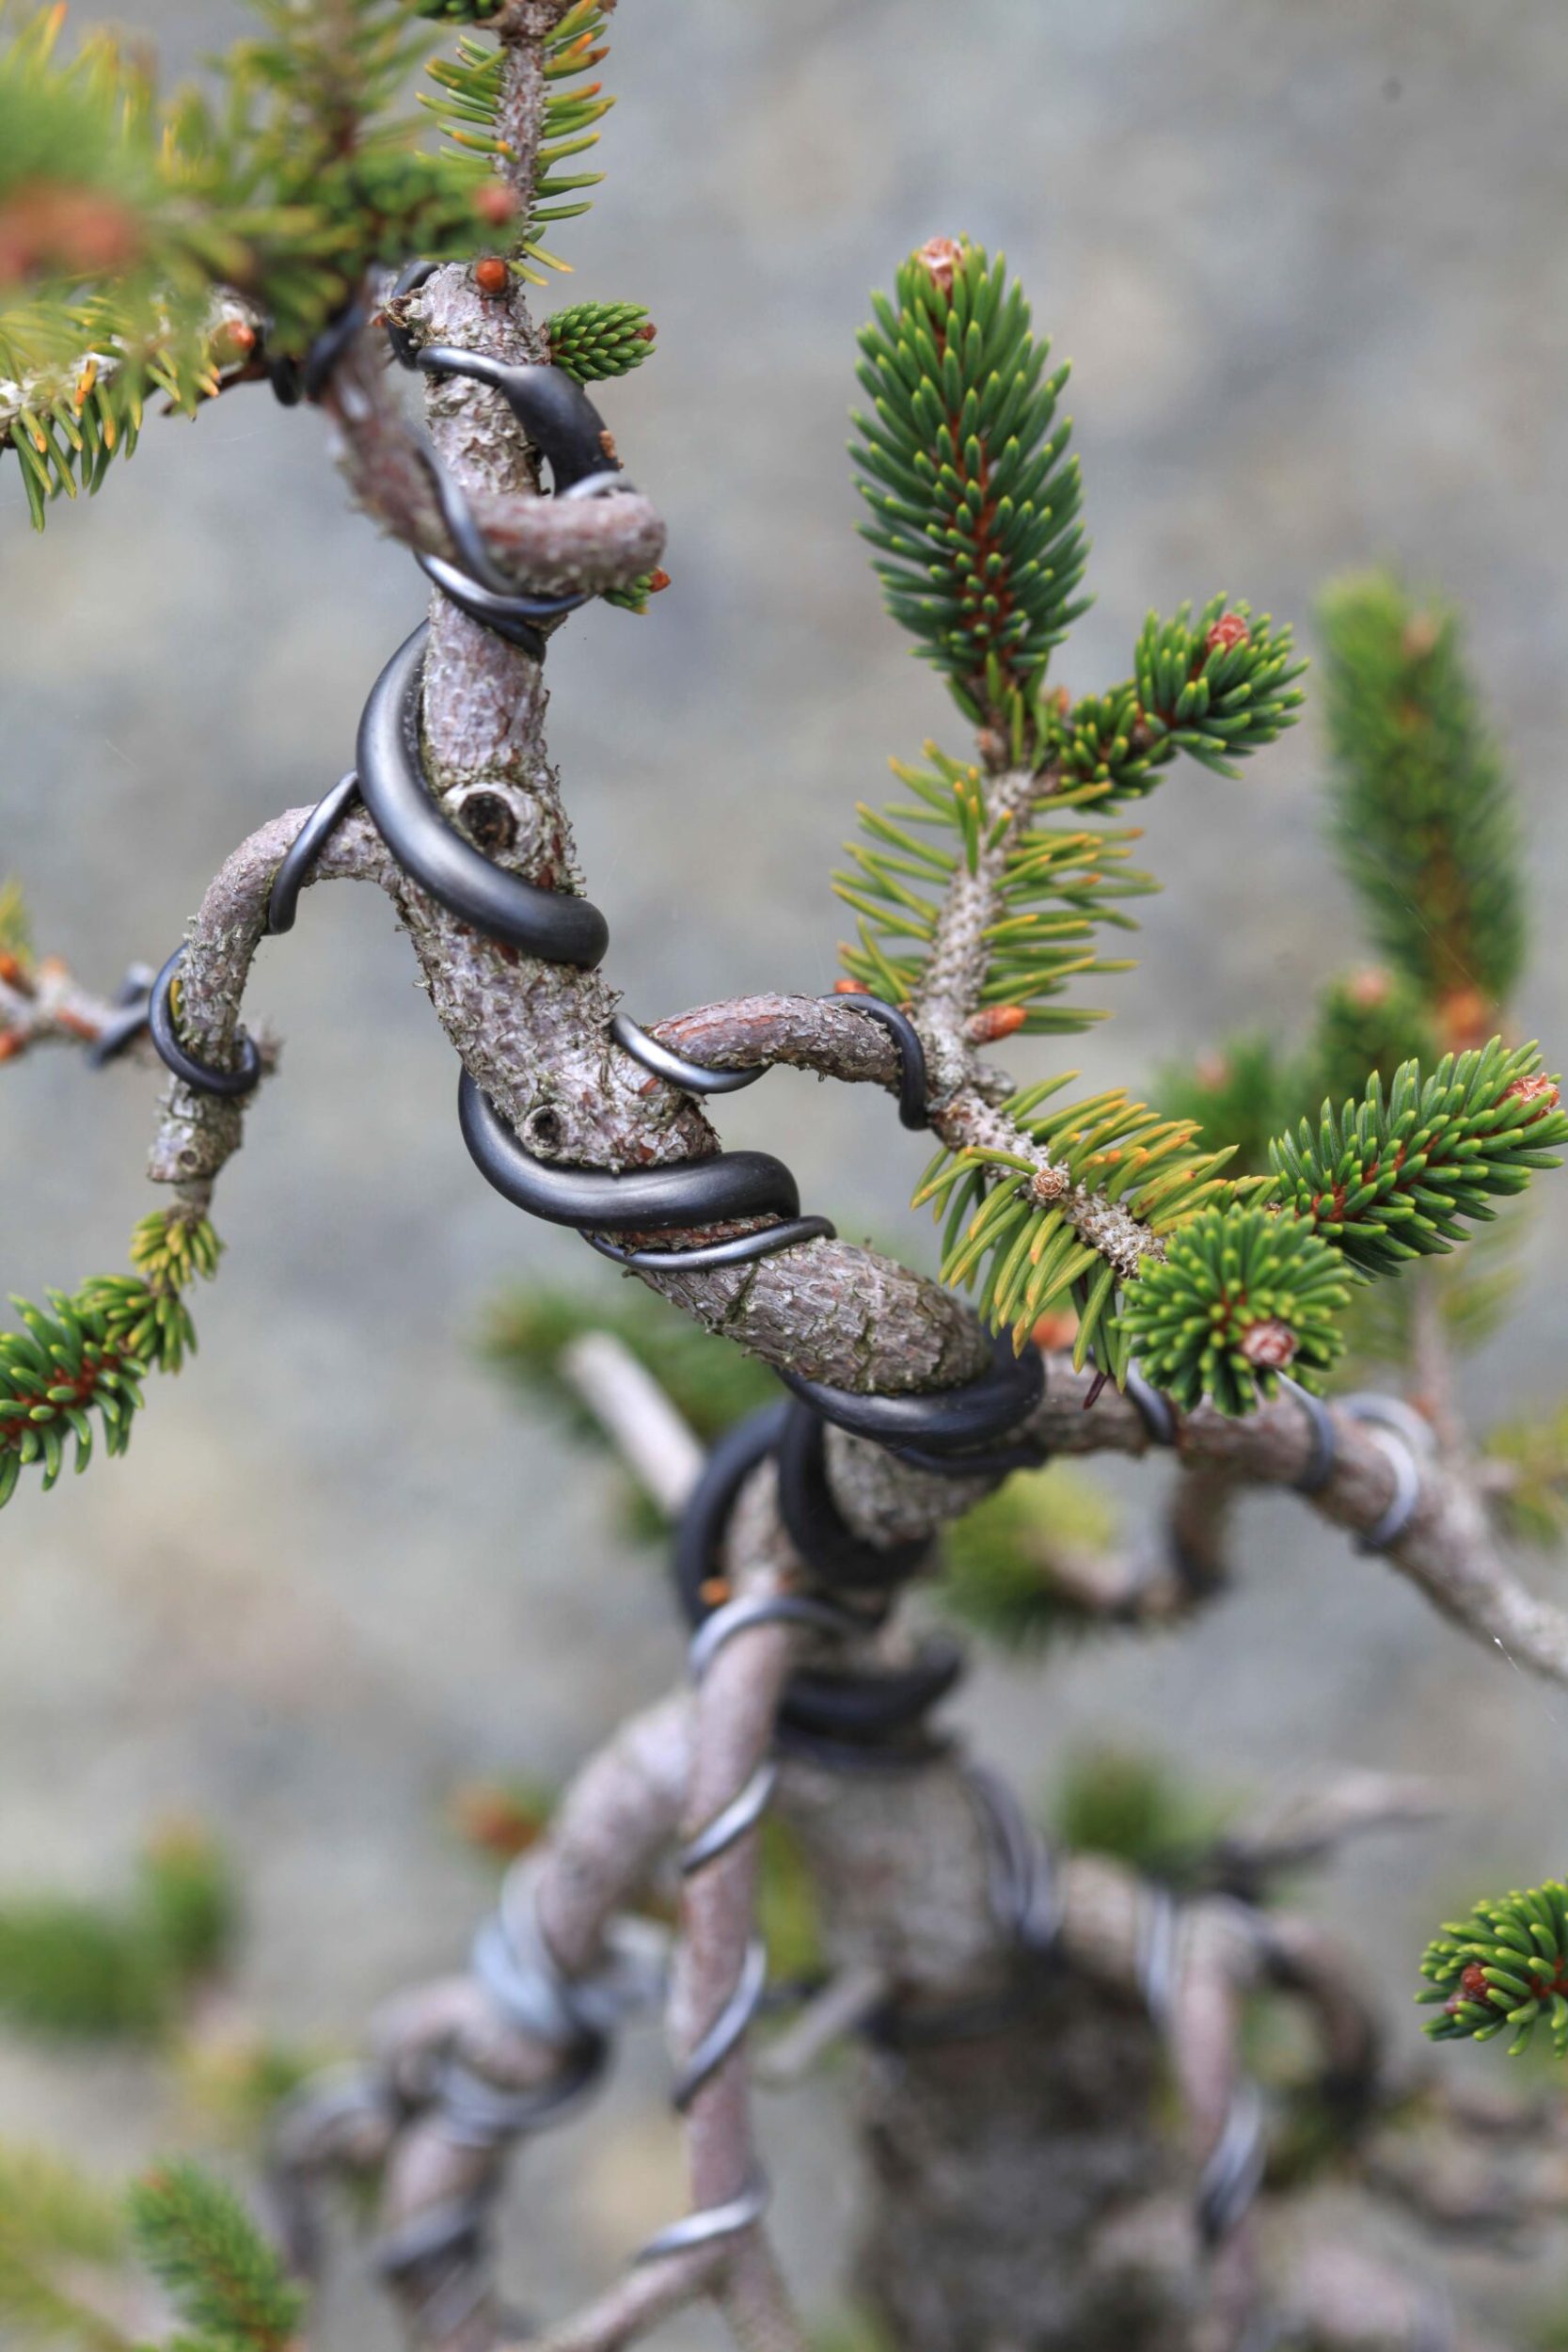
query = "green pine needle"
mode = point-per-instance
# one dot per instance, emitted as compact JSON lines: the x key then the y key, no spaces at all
{"x":708,"y":1379}
{"x":1218,"y":686}
{"x":1113,"y":1165}
{"x":1533,"y":1506}
{"x":56,"y":2227}
{"x":974,"y":501}
{"x":89,"y":1351}
{"x":470,"y":102}
{"x":1370,"y":1021}
{"x":48,"y":2204}
{"x":187,"y":1903}
{"x":634,"y":596}
{"x":1240,"y":1095}
{"x":1506,"y":1964}
{"x":1424,"y":815}
{"x":16,"y":929}
{"x":225,"y":2281}
{"x":1058,"y":882}
{"x":1473,"y":1292}
{"x":1138,"y":1810}
{"x":1240,"y":1297}
{"x":1389,"y":1181}
{"x":286,"y":185}
{"x":1001,"y":1560}
{"x":74,"y":1971}
{"x":83,"y":1970}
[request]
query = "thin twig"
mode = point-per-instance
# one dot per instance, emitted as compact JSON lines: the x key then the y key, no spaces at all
{"x":637,"y":1415}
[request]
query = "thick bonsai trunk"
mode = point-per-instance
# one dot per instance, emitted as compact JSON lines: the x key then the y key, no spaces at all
{"x":1003,"y":2169}
{"x":1026,"y":2189}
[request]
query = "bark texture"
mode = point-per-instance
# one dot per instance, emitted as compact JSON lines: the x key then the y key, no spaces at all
{"x":1026,"y":2188}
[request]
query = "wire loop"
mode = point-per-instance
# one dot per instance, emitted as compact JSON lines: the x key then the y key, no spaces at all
{"x":1322,"y":1461}
{"x":294,"y":871}
{"x":1401,"y":1434}
{"x":178,"y":1057}
{"x":131,"y":1001}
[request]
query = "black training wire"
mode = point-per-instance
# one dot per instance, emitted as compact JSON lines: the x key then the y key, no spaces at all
{"x":866,"y":1718}
{"x":303,"y":851}
{"x":178,"y":1057}
{"x":956,"y":1432}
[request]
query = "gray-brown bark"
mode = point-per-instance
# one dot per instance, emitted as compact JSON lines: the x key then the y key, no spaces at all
{"x":1026,"y":2191}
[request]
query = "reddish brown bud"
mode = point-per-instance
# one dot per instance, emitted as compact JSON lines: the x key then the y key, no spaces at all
{"x":1270,"y":1343}
{"x":492,"y":276}
{"x":941,"y":256}
{"x":495,"y":1820}
{"x":1465,"y":1018}
{"x":495,"y":202}
{"x":994,"y":1020}
{"x":1473,"y":1985}
{"x":234,"y":339}
{"x":647,"y":332}
{"x":12,"y":970}
{"x":1422,"y":632}
{"x":1228,"y":631}
{"x":1539,"y":1089}
{"x":11,"y":1044}
{"x":1370,"y":989}
{"x":1055,"y":1331}
{"x":850,"y":988}
{"x":658,"y":582}
{"x":47,"y":226}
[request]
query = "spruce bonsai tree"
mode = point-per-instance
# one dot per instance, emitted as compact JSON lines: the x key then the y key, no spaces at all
{"x":1114,"y":1276}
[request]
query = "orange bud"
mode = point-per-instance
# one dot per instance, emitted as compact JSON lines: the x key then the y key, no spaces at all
{"x":658,"y":582}
{"x":234,"y":339}
{"x":850,"y":988}
{"x":1538,"y":1089}
{"x":1269,"y":1343}
{"x":494,"y":1820}
{"x":1054,"y":1332}
{"x":495,"y":202}
{"x":1228,"y":631}
{"x":1465,"y":1018}
{"x":941,"y":256}
{"x":994,"y":1020}
{"x":11,"y":1044}
{"x":492,"y":276}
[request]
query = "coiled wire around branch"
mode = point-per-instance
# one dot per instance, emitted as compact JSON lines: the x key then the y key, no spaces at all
{"x":962,"y":1431}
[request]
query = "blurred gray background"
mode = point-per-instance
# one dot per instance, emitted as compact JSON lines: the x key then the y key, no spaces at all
{"x":1308,"y":259}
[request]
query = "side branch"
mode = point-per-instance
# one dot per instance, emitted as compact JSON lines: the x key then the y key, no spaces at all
{"x":1448,"y":1548}
{"x":199,"y":1132}
{"x":44,"y":1004}
{"x":824,"y":1034}
{"x":555,"y":547}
